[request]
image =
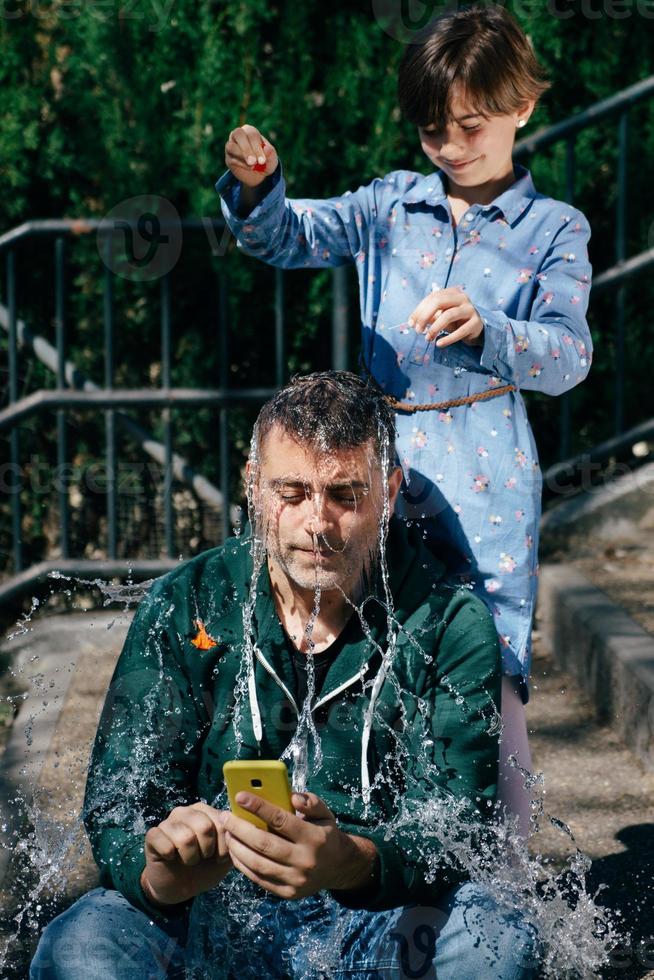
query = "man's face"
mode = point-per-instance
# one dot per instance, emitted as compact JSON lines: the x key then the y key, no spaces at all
{"x":321,"y":514}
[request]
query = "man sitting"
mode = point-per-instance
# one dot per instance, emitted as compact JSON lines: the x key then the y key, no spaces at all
{"x":328,"y":637}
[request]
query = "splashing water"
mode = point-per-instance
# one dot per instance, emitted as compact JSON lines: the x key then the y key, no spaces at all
{"x":128,"y":593}
{"x":575,"y":931}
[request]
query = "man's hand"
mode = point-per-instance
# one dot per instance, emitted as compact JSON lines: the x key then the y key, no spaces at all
{"x":443,"y":309}
{"x":186,"y":854}
{"x":301,"y":854}
{"x":249,"y":156}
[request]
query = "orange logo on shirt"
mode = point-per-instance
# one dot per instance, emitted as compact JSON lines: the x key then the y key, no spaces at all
{"x":202,"y":641}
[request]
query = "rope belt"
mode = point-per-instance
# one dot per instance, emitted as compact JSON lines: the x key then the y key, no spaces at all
{"x":452,"y":403}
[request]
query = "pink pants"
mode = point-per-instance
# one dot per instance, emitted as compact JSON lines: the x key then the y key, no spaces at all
{"x":511,"y":793}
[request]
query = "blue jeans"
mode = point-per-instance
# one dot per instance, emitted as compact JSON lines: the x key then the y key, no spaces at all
{"x":467,"y":937}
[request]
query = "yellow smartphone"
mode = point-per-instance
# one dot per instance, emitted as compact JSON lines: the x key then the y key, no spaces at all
{"x":267,"y":778}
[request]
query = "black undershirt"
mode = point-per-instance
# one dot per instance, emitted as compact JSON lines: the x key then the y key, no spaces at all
{"x":321,"y":663}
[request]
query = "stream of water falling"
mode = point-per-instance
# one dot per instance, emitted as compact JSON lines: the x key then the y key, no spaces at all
{"x":576,"y":932}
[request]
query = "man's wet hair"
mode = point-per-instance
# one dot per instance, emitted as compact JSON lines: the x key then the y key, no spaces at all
{"x":329,"y":411}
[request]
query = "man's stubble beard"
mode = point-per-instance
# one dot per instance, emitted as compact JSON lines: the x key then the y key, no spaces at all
{"x":350,"y":576}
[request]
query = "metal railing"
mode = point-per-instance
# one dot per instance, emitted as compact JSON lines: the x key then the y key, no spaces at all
{"x":73,"y":390}
{"x":623,"y":269}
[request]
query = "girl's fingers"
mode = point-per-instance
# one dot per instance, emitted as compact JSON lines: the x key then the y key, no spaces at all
{"x":249,"y":140}
{"x":437,"y":302}
{"x":444,"y":320}
{"x":256,"y":141}
{"x":461,"y":333}
{"x":232,"y":160}
{"x":423,"y":313}
{"x":244,"y":147}
{"x":233,"y":152}
{"x":239,"y":147}
{"x":427,"y":320}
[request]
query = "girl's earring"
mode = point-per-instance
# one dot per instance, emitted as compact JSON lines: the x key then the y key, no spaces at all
{"x":521,"y":123}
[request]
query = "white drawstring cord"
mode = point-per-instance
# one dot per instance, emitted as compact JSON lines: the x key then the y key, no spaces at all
{"x":367,"y":728}
{"x":254,"y":704}
{"x":367,"y":721}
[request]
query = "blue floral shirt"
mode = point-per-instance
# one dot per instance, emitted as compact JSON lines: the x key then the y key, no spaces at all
{"x":472,"y":472}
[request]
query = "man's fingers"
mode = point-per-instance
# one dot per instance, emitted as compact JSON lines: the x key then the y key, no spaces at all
{"x":256,"y":862}
{"x":279,"y":821}
{"x":262,"y":841}
{"x":185,"y":839}
{"x":207,"y":830}
{"x":188,"y":833}
{"x":284,"y":891}
{"x":159,"y":844}
{"x":220,"y":846}
{"x":312,"y":807}
{"x":173,"y":841}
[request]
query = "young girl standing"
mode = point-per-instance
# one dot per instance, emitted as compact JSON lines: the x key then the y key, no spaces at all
{"x":473,"y":286}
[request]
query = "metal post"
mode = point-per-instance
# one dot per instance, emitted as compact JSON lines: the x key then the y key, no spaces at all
{"x":339,"y":319}
{"x":60,"y":286}
{"x":280,"y":347}
{"x":223,"y":417}
{"x":14,"y":440}
{"x":620,"y":243}
{"x":166,"y":418}
{"x":109,"y":416}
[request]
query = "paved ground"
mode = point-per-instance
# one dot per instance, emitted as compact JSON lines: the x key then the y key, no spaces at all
{"x":603,"y":793}
{"x":592,"y":783}
{"x":76,"y":653}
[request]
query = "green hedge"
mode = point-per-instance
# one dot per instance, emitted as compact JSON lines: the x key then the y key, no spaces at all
{"x":103,"y":100}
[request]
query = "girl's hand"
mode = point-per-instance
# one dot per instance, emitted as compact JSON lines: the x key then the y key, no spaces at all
{"x":249,"y":156}
{"x":451,"y":310}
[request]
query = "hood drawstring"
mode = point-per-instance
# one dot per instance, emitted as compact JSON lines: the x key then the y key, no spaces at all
{"x":367,"y":728}
{"x":367,"y":720}
{"x":254,"y":703}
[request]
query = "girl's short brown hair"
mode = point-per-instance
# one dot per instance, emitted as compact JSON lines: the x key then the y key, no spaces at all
{"x":483,"y":50}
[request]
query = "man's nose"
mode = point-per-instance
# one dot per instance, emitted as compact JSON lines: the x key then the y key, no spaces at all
{"x":317,"y":520}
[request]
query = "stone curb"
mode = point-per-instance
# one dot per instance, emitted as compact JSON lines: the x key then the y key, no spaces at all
{"x":609,"y":654}
{"x":616,"y":510}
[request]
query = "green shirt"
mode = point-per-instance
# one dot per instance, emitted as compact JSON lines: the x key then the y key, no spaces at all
{"x":171,"y":713}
